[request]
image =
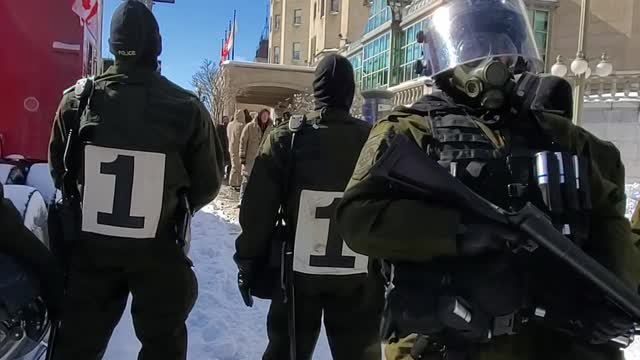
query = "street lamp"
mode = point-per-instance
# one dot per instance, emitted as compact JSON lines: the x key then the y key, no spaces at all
{"x":580,"y":65}
{"x":582,"y":71}
{"x":396,"y":8}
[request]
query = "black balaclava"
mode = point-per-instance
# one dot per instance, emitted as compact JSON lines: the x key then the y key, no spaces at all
{"x":135,"y":35}
{"x":334,"y":84}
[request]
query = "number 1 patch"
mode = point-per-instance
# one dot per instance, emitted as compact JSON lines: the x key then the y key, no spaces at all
{"x":319,"y":249}
{"x":123,"y":191}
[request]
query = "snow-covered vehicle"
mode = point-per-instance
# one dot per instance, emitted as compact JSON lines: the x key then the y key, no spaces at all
{"x":47,"y":46}
{"x":50,"y":45}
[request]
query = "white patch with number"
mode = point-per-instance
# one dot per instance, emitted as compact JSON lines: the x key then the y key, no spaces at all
{"x":123,"y":192}
{"x":318,"y":248}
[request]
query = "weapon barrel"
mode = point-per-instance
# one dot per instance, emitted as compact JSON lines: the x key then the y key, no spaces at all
{"x":405,"y":164}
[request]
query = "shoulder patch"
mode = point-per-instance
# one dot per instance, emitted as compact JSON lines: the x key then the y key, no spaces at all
{"x":375,"y":146}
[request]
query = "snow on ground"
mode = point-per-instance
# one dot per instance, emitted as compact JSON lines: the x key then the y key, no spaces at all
{"x":220,"y":326}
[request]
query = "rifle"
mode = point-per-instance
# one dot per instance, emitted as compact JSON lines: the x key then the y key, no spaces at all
{"x":400,"y":164}
{"x":65,"y":214}
{"x":286,"y":265}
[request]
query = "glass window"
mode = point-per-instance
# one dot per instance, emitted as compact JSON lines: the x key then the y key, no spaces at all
{"x":375,"y":62}
{"x":276,"y":25}
{"x":540,"y":22}
{"x":410,"y":52}
{"x":297,"y":16}
{"x":296,"y":51}
{"x":322,"y":7}
{"x":356,"y":62}
{"x":276,"y":54}
{"x":335,"y":6}
{"x":315,"y":10}
{"x":379,"y":14}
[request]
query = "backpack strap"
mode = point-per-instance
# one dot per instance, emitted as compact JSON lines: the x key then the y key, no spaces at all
{"x":83,"y":91}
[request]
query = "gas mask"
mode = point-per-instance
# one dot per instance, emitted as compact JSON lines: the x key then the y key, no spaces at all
{"x":486,"y":82}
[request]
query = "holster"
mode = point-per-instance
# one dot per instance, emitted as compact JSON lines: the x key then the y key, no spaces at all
{"x":183,"y":223}
{"x":64,"y":223}
{"x":268,"y":273}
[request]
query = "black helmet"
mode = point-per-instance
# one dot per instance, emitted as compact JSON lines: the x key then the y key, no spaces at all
{"x":24,"y":320}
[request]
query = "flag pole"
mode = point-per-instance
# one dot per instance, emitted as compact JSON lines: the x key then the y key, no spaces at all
{"x":222,"y":50}
{"x":233,"y":46}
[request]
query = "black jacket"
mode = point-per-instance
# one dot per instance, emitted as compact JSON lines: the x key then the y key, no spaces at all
{"x":20,"y":244}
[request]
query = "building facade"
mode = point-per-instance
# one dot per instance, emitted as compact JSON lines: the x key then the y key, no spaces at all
{"x":386,"y":54}
{"x":335,"y":24}
{"x":289,"y":32}
{"x":303,"y":31}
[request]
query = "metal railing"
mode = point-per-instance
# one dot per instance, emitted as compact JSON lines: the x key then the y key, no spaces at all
{"x":409,"y":92}
{"x":620,"y":86}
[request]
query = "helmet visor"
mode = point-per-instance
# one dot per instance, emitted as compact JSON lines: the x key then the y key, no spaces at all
{"x":462,"y":32}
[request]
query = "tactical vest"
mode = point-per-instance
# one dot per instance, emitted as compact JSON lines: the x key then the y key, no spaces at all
{"x":509,"y":175}
{"x":545,"y":174}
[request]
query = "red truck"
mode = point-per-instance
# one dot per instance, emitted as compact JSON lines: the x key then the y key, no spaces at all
{"x":46,"y":47}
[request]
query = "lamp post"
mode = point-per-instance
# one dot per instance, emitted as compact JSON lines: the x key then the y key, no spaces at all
{"x":582,"y":71}
{"x":396,"y":7}
{"x":580,"y":65}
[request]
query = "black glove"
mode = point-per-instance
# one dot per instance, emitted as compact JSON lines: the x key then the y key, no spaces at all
{"x":605,"y":322}
{"x":484,"y":238}
{"x":245,"y":277}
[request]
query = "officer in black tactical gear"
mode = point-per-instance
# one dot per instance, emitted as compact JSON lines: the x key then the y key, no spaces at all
{"x":462,"y":286}
{"x":142,"y":155}
{"x":302,"y":170}
{"x":31,"y":286}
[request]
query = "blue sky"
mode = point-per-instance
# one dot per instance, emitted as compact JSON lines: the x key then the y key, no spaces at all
{"x":192,"y":30}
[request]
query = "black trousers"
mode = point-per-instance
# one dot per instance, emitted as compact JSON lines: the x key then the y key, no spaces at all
{"x":163,"y":292}
{"x":352,"y":322}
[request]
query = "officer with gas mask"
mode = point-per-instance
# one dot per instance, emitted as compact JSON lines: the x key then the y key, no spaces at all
{"x":457,"y":288}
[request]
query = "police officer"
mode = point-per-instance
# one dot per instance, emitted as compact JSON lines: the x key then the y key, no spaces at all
{"x":487,"y":127}
{"x":145,"y":150}
{"x":331,"y":281}
{"x":29,"y":278}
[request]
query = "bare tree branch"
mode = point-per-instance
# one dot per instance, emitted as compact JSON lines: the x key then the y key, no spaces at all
{"x":303,"y":102}
{"x":214,"y":88}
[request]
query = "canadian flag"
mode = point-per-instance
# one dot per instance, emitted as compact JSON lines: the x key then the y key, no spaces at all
{"x":85,"y":9}
{"x":228,"y":44}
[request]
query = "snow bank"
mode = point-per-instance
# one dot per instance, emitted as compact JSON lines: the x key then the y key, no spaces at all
{"x":220,"y":326}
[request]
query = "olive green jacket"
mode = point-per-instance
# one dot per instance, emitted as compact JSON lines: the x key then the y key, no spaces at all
{"x":375,"y":222}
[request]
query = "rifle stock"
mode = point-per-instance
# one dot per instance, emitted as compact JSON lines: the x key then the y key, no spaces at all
{"x":407,"y":165}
